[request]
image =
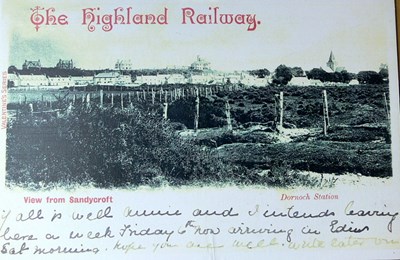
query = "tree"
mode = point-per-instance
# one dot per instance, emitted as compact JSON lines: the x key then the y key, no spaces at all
{"x":319,"y":74}
{"x":260,"y":73}
{"x":324,"y":76}
{"x":384,"y":73}
{"x":369,"y":77}
{"x":282,"y":75}
{"x":347,"y":76}
{"x":297,"y":72}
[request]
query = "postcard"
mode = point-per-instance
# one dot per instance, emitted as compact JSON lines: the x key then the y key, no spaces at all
{"x":214,"y":129}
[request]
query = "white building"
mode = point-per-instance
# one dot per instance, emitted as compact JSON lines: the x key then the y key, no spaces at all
{"x":150,"y":80}
{"x":33,"y":80}
{"x":176,"y":79}
{"x":160,"y":79}
{"x":201,"y":79}
{"x":82,"y":80}
{"x":304,"y":81}
{"x":14,"y":79}
{"x":200,"y":64}
{"x":61,"y":81}
{"x":123,"y":65}
{"x":112,"y":79}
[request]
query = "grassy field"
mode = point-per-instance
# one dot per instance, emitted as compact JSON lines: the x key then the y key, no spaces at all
{"x":113,"y":147}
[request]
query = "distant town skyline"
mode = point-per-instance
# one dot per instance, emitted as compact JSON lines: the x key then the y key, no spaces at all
{"x":290,"y":32}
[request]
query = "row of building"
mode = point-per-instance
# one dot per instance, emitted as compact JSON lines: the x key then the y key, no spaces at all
{"x":116,"y":78}
{"x":199,"y":64}
{"x":199,"y":72}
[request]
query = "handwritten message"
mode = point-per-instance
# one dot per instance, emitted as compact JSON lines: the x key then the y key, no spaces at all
{"x":102,"y":225}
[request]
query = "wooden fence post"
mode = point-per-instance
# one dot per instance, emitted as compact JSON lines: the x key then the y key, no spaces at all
{"x":228,"y":115}
{"x":112,"y":99}
{"x":69,"y":109}
{"x":196,"y":117}
{"x":325,"y":112}
{"x":122,"y":100}
{"x":279,"y":111}
{"x":165,"y":114}
{"x":386,"y":106}
{"x":88,"y":100}
{"x":101,"y":98}
{"x":31,"y":108}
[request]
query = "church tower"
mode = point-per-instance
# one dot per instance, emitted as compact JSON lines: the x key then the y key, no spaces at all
{"x":332,"y":62}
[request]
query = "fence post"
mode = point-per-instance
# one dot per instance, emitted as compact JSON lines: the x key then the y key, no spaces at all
{"x":196,"y":117}
{"x":165,"y":114}
{"x":153,"y":96}
{"x":112,"y":99}
{"x":228,"y":115}
{"x":386,"y":106}
{"x":122,"y":100}
{"x":279,"y":111}
{"x":69,"y":109}
{"x":281,"y":108}
{"x":88,"y":100}
{"x":31,"y":108}
{"x":101,"y":98}
{"x":325,"y":112}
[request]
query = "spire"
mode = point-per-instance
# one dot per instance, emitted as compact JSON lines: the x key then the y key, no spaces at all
{"x":331,"y":62}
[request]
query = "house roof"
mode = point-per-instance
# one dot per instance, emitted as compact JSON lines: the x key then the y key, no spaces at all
{"x":107,"y":75}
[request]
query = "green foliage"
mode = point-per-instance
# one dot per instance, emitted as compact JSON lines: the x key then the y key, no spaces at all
{"x":384,"y":73}
{"x":282,"y":175}
{"x":107,"y":148}
{"x":369,"y":77}
{"x":211,"y":112}
{"x":297,"y":72}
{"x":260,"y":73}
{"x":283,"y":75}
{"x":323,"y":76}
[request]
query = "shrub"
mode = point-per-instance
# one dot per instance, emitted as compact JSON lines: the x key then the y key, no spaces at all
{"x":106,"y":147}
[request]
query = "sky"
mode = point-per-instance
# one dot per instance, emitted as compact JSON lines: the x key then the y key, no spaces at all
{"x":292,"y":32}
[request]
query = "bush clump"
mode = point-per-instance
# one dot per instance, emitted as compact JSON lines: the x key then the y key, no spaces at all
{"x":106,"y":148}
